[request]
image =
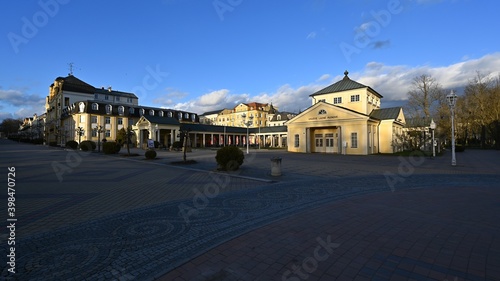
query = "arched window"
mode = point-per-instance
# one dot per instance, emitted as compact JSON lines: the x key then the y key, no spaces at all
{"x":151,"y":112}
{"x":193,"y":117}
{"x":179,"y":115}
{"x":169,"y":114}
{"x":95,"y":106}
{"x":322,"y":111}
{"x":279,"y":117}
{"x":162,"y":113}
{"x":131,"y":110}
{"x":109,"y":108}
{"x":121,"y":110}
{"x":141,"y":111}
{"x":186,"y":115}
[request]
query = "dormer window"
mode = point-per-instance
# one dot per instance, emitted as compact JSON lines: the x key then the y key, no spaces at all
{"x":193,"y":117}
{"x":186,"y":115}
{"x":169,"y":114}
{"x":141,"y":111}
{"x":131,"y":110}
{"x":109,"y":108}
{"x":95,"y":106}
{"x":121,"y":110}
{"x":152,"y":112}
{"x":161,"y":113}
{"x":179,"y":115}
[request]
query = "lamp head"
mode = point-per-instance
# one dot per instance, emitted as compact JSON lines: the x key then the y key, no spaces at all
{"x":452,"y":99}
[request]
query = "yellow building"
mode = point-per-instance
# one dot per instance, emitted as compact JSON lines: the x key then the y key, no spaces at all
{"x":346,"y":118}
{"x":255,"y":114}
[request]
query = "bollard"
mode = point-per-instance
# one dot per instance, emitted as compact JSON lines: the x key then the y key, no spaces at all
{"x":276,"y":166}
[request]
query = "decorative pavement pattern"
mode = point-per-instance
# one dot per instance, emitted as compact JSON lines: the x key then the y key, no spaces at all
{"x":147,"y":243}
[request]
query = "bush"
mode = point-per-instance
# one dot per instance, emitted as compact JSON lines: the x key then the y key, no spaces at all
{"x":229,"y":158}
{"x":72,"y":144}
{"x":177,"y":144}
{"x":150,"y":154}
{"x":111,"y":147}
{"x":87,"y":145}
{"x":53,"y":143}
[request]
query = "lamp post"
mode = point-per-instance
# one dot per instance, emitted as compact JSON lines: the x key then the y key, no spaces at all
{"x":433,"y":127}
{"x":452,"y":101}
{"x":80,"y":132}
{"x":99,"y":129}
{"x":247,"y":124}
{"x":157,"y":133}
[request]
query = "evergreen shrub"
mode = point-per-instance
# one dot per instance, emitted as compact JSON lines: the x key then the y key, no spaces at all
{"x":229,"y":158}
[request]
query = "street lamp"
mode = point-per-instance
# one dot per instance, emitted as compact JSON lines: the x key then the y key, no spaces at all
{"x":433,"y":127}
{"x":247,"y":124}
{"x":99,"y":129}
{"x":157,"y":133}
{"x":80,"y":132}
{"x":452,"y":101}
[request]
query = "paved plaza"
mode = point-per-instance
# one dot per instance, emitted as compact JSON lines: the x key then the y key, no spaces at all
{"x":89,"y":216}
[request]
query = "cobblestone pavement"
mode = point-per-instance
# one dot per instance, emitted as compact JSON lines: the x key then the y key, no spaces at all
{"x":380,"y":217}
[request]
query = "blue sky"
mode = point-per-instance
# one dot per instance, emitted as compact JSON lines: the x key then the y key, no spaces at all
{"x":206,"y":55}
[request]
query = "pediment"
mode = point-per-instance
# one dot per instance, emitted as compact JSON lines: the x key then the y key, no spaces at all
{"x":323,"y":111}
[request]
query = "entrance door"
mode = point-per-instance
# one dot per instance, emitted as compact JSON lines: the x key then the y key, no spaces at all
{"x":318,"y":142}
{"x":329,"y":143}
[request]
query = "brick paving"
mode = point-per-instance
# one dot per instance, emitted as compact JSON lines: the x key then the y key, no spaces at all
{"x":329,"y":217}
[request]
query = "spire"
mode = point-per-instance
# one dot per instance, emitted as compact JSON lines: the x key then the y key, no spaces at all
{"x":346,"y":73}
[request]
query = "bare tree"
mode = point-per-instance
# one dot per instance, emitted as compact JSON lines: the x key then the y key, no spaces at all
{"x":425,"y":96}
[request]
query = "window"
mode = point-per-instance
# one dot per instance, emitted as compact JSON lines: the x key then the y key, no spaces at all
{"x":109,"y":108}
{"x":193,"y":117}
{"x":94,"y":133}
{"x":322,"y":111}
{"x":337,"y":100}
{"x":297,"y":140}
{"x":323,"y":100}
{"x":169,"y":114}
{"x":121,"y":110}
{"x":95,"y":106}
{"x":96,"y":96}
{"x":106,"y":97}
{"x":130,"y":122}
{"x":151,"y":112}
{"x":108,"y":120}
{"x":354,"y":98}
{"x":117,"y":98}
{"x":179,"y":115}
{"x":93,"y":119}
{"x":278,"y":117}
{"x":120,"y":121}
{"x":354,"y":140}
{"x":162,"y":113}
{"x":108,"y":133}
{"x":66,"y":101}
{"x":131,"y":110}
{"x":141,"y":111}
{"x":129,"y":100}
{"x":186,"y":115}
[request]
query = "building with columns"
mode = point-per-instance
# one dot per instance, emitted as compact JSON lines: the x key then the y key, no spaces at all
{"x":346,"y":118}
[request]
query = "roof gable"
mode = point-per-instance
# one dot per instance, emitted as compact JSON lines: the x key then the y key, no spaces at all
{"x":331,"y":112}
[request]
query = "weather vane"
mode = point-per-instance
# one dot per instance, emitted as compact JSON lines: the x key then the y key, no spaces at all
{"x":70,"y":68}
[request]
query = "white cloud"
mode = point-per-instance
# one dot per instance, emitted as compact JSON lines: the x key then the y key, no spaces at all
{"x":24,"y":105}
{"x":391,"y":81}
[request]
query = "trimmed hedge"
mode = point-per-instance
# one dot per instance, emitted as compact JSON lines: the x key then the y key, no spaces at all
{"x":150,"y":154}
{"x":72,"y":144}
{"x":87,"y":145}
{"x":229,"y":158}
{"x":111,"y":147}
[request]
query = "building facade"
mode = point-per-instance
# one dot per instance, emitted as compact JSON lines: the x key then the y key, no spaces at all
{"x":345,"y":118}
